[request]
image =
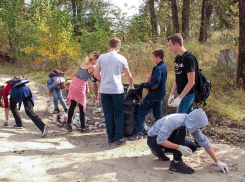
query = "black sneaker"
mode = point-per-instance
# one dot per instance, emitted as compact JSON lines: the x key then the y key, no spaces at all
{"x":84,"y":130}
{"x":45,"y":130}
{"x":56,"y":111}
{"x":181,"y":167}
{"x":162,"y":157}
{"x":111,"y":141}
{"x":135,"y":136}
{"x":68,"y":127}
{"x":119,"y":142}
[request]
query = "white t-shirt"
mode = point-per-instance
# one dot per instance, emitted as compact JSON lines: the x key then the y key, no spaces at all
{"x":112,"y":65}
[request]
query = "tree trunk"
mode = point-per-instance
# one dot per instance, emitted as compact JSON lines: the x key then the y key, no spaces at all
{"x":185,"y":19}
{"x":175,"y":17}
{"x":222,"y":18}
{"x":153,"y":20}
{"x":240,"y":70}
{"x":206,"y":13}
{"x":226,"y":58}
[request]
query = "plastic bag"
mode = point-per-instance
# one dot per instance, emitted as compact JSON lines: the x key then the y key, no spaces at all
{"x":130,"y":105}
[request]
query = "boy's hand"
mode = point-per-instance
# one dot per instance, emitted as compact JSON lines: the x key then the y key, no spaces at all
{"x":130,"y":88}
{"x":223,"y":167}
{"x":170,"y":99}
{"x":185,"y":151}
{"x":176,"y":102}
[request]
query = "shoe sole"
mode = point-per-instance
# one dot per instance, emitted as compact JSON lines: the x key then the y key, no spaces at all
{"x":135,"y":139}
{"x":181,"y":171}
{"x":111,"y":141}
{"x":18,"y":127}
{"x":45,"y":132}
{"x":121,"y":141}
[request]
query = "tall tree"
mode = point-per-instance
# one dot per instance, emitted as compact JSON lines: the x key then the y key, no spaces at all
{"x":206,"y":13}
{"x":153,"y":20}
{"x":185,"y":18}
{"x":175,"y":17}
{"x":240,"y":70}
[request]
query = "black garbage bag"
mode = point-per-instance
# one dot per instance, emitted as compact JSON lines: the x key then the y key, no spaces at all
{"x":130,"y":105}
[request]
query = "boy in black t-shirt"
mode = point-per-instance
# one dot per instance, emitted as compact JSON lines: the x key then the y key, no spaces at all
{"x":184,"y":76}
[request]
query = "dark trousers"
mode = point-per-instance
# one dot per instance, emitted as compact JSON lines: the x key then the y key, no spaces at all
{"x":71,"y":112}
{"x":177,"y":137}
{"x":143,"y":110}
{"x":113,"y":111}
{"x":28,"y":104}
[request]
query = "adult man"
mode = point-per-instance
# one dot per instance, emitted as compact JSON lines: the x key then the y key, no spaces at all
{"x":22,"y":93}
{"x":111,"y":65}
{"x":184,"y":76}
{"x":156,"y":86}
{"x":169,"y":134}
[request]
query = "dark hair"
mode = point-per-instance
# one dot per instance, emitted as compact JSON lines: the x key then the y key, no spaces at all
{"x":158,"y":53}
{"x":114,"y":42}
{"x":176,"y":38}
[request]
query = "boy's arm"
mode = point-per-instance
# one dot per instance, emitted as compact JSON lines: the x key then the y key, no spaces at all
{"x":189,"y":85}
{"x":54,"y":85}
{"x":155,"y":79}
{"x":222,"y":166}
{"x":128,"y":76}
{"x":174,"y":88}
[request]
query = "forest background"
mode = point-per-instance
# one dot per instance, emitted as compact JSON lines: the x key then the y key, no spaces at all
{"x":37,"y":36}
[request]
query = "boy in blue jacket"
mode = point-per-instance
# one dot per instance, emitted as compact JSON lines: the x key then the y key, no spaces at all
{"x":168,"y":135}
{"x":22,"y":93}
{"x":156,"y":87}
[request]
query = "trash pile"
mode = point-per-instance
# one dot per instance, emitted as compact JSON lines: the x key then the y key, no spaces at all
{"x":60,"y":117}
{"x":94,"y":122}
{"x":49,"y":107}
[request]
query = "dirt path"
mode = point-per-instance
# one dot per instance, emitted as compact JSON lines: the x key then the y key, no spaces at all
{"x":64,"y":156}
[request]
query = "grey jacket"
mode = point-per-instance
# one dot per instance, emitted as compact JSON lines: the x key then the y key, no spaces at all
{"x":55,"y":82}
{"x":193,"y":121}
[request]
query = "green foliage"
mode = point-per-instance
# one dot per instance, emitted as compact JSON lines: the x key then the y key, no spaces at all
{"x":53,"y":36}
{"x":15,"y":32}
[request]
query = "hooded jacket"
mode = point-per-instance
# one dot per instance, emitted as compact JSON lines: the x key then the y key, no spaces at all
{"x":193,"y":121}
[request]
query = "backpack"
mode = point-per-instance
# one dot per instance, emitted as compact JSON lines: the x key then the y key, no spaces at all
{"x":14,"y":81}
{"x":56,"y":73}
{"x":202,"y":84}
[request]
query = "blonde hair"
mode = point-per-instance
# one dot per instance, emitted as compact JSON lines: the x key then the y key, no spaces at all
{"x":67,"y":84}
{"x":93,"y":55}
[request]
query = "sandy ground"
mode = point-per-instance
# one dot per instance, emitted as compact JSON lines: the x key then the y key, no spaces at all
{"x":64,"y":156}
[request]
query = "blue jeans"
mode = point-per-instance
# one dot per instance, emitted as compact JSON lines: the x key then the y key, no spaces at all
{"x":186,"y":104}
{"x":113,"y":110}
{"x":57,"y":95}
{"x":143,"y":110}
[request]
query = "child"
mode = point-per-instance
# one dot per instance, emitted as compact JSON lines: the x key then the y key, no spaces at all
{"x":168,"y":134}
{"x":54,"y":85}
{"x":22,"y":93}
{"x":78,"y":89}
{"x":156,"y":87}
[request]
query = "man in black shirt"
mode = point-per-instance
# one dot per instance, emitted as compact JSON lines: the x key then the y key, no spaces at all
{"x":185,"y":66}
